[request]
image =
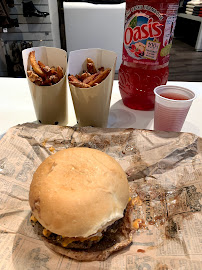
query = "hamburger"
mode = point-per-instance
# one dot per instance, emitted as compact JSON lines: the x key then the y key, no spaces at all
{"x":80,"y":204}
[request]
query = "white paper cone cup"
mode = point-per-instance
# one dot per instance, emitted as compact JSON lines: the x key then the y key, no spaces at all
{"x":50,"y":102}
{"x":92,"y":104}
{"x":170,"y":114}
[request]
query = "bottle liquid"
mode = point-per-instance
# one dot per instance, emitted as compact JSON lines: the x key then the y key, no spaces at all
{"x":148,"y":33}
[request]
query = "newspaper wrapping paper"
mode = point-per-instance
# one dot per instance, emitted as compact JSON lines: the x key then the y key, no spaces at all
{"x":165,"y":176}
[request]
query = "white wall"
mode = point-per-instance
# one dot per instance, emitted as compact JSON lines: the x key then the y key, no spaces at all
{"x":94,"y":26}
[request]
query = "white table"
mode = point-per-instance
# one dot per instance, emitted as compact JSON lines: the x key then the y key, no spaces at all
{"x":16,"y":108}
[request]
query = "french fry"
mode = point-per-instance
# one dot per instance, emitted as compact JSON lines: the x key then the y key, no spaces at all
{"x":39,"y":82}
{"x":90,"y":78}
{"x":41,"y":64}
{"x":34,"y":77}
{"x":91,"y":69}
{"x":35,"y":65}
{"x":73,"y":80}
{"x":47,"y":81}
{"x":53,"y":71}
{"x":101,"y":69}
{"x":47,"y":70}
{"x":44,"y":68}
{"x":91,"y":66}
{"x":43,"y":74}
{"x":84,"y":76}
{"x":29,"y":73}
{"x":60,"y":73}
{"x":102,"y":75}
{"x":78,"y":77}
{"x":80,"y":84}
{"x":89,"y":60}
{"x":54,"y":79}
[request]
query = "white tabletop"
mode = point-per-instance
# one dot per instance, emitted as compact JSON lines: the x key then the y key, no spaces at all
{"x":16,"y":108}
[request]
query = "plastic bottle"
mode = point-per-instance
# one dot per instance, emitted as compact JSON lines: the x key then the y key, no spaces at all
{"x":148,"y":34}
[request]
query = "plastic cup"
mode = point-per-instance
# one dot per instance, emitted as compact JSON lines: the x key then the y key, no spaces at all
{"x":170,"y":113}
{"x":50,"y":102}
{"x":92,"y":104}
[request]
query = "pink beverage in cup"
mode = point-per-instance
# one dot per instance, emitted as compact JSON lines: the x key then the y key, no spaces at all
{"x":172,"y":104}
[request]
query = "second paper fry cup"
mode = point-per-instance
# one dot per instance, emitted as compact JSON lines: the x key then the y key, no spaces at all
{"x":92,"y":104}
{"x":50,"y":102}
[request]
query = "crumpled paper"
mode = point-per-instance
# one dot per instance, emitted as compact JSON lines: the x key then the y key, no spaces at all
{"x":164,"y":171}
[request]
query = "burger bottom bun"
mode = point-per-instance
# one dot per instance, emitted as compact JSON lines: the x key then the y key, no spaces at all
{"x":90,"y":255}
{"x":100,"y":251}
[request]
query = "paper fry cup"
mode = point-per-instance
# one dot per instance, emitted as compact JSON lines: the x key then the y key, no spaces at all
{"x":50,"y":102}
{"x":92,"y":104}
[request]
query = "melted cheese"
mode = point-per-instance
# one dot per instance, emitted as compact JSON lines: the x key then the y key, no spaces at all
{"x":138,"y":223}
{"x":67,"y":240}
{"x":137,"y":201}
{"x":33,"y":219}
{"x":46,"y":233}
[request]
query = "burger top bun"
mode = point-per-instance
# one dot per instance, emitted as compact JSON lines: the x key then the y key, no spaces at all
{"x":78,"y":192}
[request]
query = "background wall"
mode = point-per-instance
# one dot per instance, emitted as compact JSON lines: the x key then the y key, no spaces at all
{"x":37,"y":30}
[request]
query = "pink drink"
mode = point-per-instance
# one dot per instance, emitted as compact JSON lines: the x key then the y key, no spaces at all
{"x":174,"y":96}
{"x":169,"y":119}
{"x":172,"y":104}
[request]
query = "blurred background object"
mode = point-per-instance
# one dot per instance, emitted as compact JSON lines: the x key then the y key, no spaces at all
{"x":5,"y":20}
{"x":185,"y":63}
{"x":90,"y":25}
{"x":13,"y":57}
{"x":30,"y":10}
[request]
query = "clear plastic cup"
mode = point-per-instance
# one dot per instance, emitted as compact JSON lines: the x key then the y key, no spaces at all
{"x":172,"y":104}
